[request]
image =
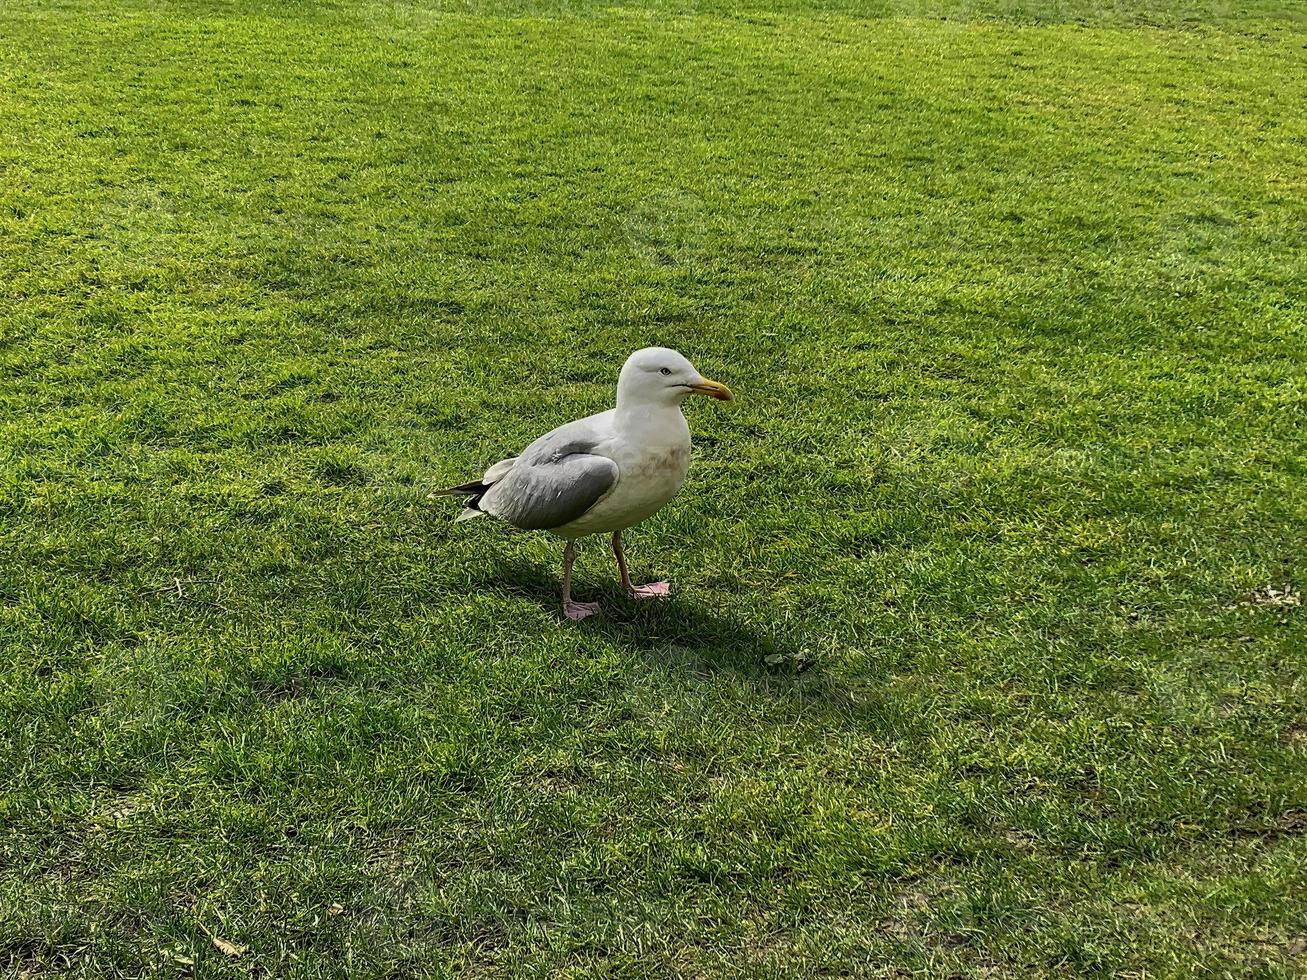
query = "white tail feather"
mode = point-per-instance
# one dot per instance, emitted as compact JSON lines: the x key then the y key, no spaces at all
{"x":468,"y":514}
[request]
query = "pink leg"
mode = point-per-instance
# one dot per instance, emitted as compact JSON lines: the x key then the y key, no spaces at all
{"x":654,"y":590}
{"x":573,"y":610}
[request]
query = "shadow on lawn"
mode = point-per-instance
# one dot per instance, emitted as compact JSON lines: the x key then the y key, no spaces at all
{"x":673,"y":630}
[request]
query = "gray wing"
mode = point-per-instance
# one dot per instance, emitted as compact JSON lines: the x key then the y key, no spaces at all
{"x":555,"y":480}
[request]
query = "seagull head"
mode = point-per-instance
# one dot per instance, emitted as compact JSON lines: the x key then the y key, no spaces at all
{"x":661,"y":376}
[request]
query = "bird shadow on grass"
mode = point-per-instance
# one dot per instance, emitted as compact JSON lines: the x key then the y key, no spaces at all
{"x":673,"y":631}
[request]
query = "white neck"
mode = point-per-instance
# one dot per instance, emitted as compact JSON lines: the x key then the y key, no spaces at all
{"x":652,"y":424}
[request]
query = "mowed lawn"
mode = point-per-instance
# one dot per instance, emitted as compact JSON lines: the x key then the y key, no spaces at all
{"x":985,"y":656}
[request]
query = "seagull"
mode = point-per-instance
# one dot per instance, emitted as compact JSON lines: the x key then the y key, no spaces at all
{"x":604,"y":473}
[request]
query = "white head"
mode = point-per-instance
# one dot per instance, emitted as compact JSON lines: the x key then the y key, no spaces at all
{"x":661,"y":376}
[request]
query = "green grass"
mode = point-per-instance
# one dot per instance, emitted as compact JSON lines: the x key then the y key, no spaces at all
{"x":970,"y":668}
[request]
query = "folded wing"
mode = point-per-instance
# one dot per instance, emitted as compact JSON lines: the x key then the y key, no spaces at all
{"x":557,"y":478}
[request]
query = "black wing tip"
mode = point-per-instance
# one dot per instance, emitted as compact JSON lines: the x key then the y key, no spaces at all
{"x":474,"y":491}
{"x":475,"y":488}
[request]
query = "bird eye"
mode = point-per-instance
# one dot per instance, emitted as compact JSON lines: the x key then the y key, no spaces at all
{"x":664,"y":370}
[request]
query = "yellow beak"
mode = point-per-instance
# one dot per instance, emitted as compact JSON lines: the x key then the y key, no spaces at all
{"x":714,"y":389}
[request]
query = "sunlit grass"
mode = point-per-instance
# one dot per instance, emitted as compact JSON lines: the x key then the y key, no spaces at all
{"x":985,"y":654}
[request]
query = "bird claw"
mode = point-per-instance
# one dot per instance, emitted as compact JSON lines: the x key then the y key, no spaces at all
{"x":654,"y":590}
{"x":576,"y":611}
